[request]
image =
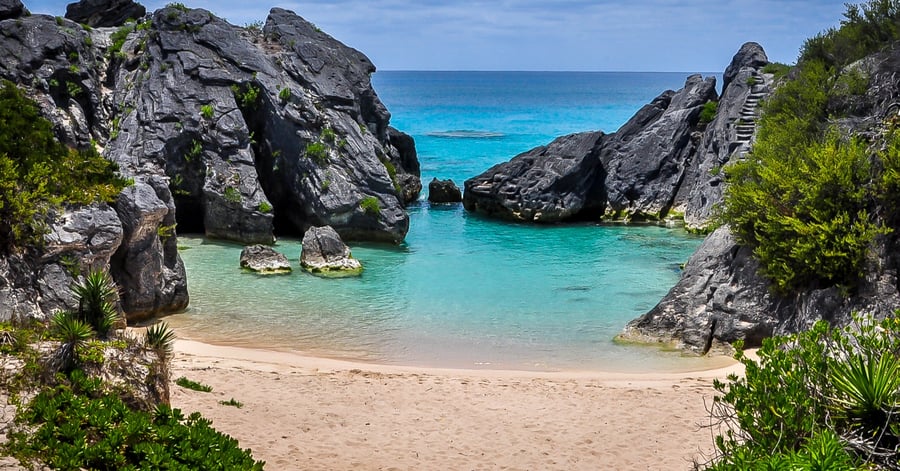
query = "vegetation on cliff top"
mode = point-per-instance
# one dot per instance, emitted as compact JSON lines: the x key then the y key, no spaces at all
{"x":39,"y":174}
{"x":808,"y":198}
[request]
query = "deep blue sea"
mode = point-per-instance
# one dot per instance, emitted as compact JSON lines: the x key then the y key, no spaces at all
{"x":463,"y":291}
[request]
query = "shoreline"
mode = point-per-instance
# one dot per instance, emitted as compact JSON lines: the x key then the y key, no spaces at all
{"x":302,"y":412}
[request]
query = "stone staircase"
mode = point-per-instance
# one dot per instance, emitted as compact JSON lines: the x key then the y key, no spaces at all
{"x":745,"y":125}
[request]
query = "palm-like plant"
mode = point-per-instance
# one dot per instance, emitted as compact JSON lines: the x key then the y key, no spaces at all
{"x":160,"y":338}
{"x":867,"y":387}
{"x":73,"y":333}
{"x":97,"y":296}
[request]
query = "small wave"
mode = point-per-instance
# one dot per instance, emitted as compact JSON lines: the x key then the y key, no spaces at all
{"x":466,"y":134}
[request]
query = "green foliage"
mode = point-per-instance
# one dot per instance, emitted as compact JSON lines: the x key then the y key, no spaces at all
{"x":865,"y":29}
{"x":708,"y":113}
{"x":285,"y":94}
{"x":327,"y":135}
{"x":192,"y":385}
{"x":38,"y":173}
{"x":254,"y":27}
{"x":751,"y":81}
{"x":207,"y":111}
{"x":247,"y":96}
{"x":232,"y":195}
{"x":117,"y":40}
{"x":194,"y":152}
{"x":178,"y":6}
{"x":160,"y":338}
{"x":317,"y":152}
{"x":166,"y":231}
{"x":75,"y":429}
{"x":73,"y":89}
{"x":232,"y":402}
{"x":73,"y":334}
{"x":97,"y":296}
{"x":370,"y":205}
{"x":822,"y":399}
{"x":264,"y":207}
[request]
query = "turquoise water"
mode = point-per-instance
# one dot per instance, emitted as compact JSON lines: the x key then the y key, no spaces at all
{"x":463,"y":291}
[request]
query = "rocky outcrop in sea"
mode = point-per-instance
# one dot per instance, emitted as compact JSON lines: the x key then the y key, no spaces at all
{"x":226,"y":131}
{"x":661,"y":163}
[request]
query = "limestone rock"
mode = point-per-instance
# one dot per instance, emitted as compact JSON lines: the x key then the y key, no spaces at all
{"x":100,"y":13}
{"x":443,"y":191}
{"x":264,"y":259}
{"x":11,"y":9}
{"x":325,"y":254}
{"x":547,"y":184}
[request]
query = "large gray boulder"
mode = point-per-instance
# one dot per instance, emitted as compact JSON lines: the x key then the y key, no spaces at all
{"x":100,"y":13}
{"x":264,"y":260}
{"x":11,"y":9}
{"x":547,"y":184}
{"x":325,"y":254}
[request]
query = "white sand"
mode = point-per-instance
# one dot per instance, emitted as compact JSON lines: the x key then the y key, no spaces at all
{"x":309,"y":413}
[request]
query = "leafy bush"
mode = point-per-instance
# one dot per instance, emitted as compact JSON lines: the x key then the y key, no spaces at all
{"x":192,"y":385}
{"x":38,"y":173}
{"x":160,"y":338}
{"x":864,"y":30}
{"x":246,"y":96}
{"x":232,"y":402}
{"x":285,"y":94}
{"x":327,"y":135}
{"x":77,"y":430}
{"x":117,"y":40}
{"x":708,"y":113}
{"x":232,"y":195}
{"x":317,"y":152}
{"x":207,"y":111}
{"x":264,"y":207}
{"x":370,"y":205}
{"x":822,"y":399}
{"x":97,"y":296}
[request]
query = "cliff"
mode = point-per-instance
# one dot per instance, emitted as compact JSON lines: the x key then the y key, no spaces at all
{"x":228,"y":131}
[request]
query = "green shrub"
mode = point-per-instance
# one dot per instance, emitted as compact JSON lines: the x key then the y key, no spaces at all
{"x":38,"y":173}
{"x":97,"y":296}
{"x":232,"y":402}
{"x":865,"y":29}
{"x":160,"y":338}
{"x":708,"y":113}
{"x":822,"y":399}
{"x":317,"y":152}
{"x":246,"y":96}
{"x":207,"y":111}
{"x":327,"y":135}
{"x":117,"y":40}
{"x":264,"y":207}
{"x":285,"y":94}
{"x":232,"y":195}
{"x":194,"y":152}
{"x":192,"y":385}
{"x":370,"y":205}
{"x":777,"y":69}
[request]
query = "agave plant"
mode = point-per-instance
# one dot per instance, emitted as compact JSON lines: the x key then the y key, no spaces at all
{"x":73,"y":333}
{"x":97,"y":296}
{"x":160,"y":338}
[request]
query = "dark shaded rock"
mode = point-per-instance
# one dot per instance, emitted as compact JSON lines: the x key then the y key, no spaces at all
{"x":147,"y":266}
{"x":443,"y":191}
{"x":405,"y":160}
{"x":11,"y":9}
{"x":546,"y":184}
{"x":100,"y":13}
{"x":728,"y":137}
{"x":325,"y":254}
{"x":721,"y":298}
{"x":645,"y":160}
{"x":264,"y":259}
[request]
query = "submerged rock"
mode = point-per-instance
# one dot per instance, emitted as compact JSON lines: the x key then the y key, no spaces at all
{"x":325,"y":254}
{"x":443,"y":191}
{"x":265,"y":260}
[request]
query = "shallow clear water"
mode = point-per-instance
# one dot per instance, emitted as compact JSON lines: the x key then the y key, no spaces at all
{"x":464,"y":291}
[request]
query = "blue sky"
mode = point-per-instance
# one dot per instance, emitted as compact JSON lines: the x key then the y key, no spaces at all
{"x":630,"y":35}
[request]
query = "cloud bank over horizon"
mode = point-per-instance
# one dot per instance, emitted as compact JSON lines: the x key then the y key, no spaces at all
{"x":569,"y":35}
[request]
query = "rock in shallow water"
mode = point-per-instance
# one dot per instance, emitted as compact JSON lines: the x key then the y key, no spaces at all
{"x":264,"y":260}
{"x":443,"y":191}
{"x":325,"y":254}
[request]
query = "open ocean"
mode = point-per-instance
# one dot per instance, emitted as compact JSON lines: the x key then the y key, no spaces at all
{"x":463,"y":291}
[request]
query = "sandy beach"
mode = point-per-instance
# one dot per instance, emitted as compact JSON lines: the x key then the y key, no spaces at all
{"x":309,"y":413}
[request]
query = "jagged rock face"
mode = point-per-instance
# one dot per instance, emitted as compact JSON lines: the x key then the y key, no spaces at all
{"x":546,"y":184}
{"x":100,"y":13}
{"x":264,"y":259}
{"x":645,"y":160}
{"x":721,"y":298}
{"x":36,"y":284}
{"x":443,"y":191}
{"x":254,"y":129}
{"x":325,"y":254}
{"x":729,"y":136}
{"x":11,"y":9}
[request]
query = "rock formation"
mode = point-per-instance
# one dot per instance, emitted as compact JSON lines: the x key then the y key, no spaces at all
{"x":655,"y":166}
{"x":227,"y":131}
{"x":264,"y":259}
{"x":100,"y":13}
{"x":443,"y":191}
{"x":325,"y":254}
{"x":721,"y":296}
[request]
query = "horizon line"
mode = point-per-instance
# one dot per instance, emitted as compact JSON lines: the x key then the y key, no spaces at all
{"x":552,"y":71}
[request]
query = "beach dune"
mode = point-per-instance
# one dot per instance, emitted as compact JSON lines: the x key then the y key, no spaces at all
{"x":308,"y":413}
